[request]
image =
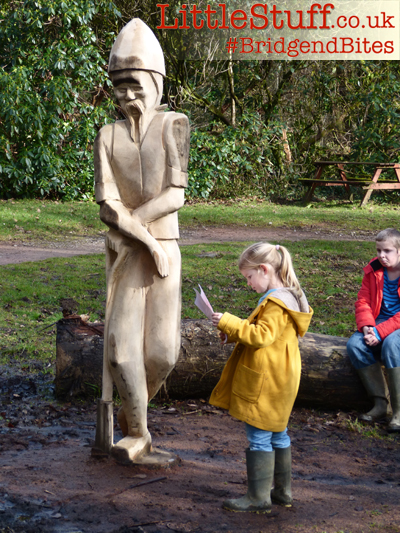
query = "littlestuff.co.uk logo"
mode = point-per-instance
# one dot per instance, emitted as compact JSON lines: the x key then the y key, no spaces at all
{"x":340,"y":30}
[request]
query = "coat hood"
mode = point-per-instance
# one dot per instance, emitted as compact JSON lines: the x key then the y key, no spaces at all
{"x":373,"y":266}
{"x":297,"y":308}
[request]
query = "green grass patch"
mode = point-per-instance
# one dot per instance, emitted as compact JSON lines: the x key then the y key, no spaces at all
{"x":330,"y":273}
{"x":34,"y":220}
{"x":30,"y":302}
{"x":320,"y":216}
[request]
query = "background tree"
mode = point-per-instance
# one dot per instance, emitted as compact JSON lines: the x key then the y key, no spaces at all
{"x":52,"y":79}
{"x":257,"y":126}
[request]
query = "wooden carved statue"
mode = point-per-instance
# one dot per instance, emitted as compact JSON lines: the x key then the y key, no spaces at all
{"x":140,"y":177}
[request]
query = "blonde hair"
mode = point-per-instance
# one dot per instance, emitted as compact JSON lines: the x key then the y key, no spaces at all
{"x":278,"y":257}
{"x":389,"y":234}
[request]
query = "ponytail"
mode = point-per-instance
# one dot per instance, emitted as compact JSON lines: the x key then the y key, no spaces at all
{"x":278,"y":257}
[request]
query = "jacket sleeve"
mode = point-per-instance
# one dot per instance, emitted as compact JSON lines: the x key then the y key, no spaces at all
{"x":390,"y":325}
{"x":364,"y":313}
{"x":269,"y":325}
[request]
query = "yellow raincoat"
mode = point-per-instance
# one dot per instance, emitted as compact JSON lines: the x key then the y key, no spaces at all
{"x":260,"y":381}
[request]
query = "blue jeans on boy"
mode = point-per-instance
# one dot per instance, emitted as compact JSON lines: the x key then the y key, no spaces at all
{"x":388,"y":351}
{"x":266,"y":441}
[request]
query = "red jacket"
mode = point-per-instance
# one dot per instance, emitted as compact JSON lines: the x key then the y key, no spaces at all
{"x":369,"y":301}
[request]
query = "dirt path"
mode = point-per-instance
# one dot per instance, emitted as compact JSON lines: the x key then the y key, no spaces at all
{"x":18,"y":252}
{"x":49,"y":483}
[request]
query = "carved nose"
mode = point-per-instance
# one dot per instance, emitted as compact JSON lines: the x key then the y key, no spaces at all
{"x":130,"y":94}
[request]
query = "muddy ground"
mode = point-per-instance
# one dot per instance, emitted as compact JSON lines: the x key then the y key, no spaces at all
{"x":343,"y":480}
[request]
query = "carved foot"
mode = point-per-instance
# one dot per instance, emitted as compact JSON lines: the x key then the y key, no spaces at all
{"x":158,"y":459}
{"x":129,"y":449}
{"x":139,"y":451}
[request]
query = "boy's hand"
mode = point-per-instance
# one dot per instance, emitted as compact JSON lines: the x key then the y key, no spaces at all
{"x":371,"y":340}
{"x":216,"y":317}
{"x":368,"y":330}
{"x":369,"y":336}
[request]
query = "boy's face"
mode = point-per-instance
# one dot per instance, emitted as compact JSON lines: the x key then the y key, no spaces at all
{"x":388,"y":254}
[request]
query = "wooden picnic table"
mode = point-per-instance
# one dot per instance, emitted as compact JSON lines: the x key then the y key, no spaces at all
{"x":369,"y":185}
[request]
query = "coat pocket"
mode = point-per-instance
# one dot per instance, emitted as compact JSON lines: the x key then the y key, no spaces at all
{"x":247,"y":384}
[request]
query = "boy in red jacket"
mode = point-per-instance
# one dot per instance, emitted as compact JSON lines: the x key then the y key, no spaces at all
{"x":377,"y":340}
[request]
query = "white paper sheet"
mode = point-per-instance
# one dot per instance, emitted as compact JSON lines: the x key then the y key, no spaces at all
{"x":202,"y":303}
{"x":205,"y":307}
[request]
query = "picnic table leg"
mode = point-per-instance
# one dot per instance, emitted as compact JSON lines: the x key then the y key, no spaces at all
{"x":396,"y":169}
{"x":369,"y":191}
{"x":343,"y":177}
{"x":309,"y":193}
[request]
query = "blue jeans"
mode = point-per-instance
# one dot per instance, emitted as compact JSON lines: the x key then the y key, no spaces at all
{"x":266,"y":441}
{"x":388,"y":351}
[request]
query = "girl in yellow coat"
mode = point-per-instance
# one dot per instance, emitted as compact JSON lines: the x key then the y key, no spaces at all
{"x":261,"y":379}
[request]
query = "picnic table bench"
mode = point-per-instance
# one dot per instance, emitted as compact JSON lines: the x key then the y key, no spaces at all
{"x":344,"y":169}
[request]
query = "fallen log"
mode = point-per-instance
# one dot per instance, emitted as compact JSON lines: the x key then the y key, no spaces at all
{"x":328,"y":380}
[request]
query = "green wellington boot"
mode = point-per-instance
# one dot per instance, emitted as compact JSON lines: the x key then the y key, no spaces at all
{"x":260,"y":473}
{"x":374,"y":383}
{"x":393,"y":375}
{"x":282,"y":491}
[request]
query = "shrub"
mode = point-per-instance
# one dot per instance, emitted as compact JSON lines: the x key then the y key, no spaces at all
{"x":236,"y":160}
{"x":52,"y":78}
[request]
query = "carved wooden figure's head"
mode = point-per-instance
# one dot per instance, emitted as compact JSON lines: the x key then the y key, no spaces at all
{"x":136,"y":68}
{"x":137,"y":91}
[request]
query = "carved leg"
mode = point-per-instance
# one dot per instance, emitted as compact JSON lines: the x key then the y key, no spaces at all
{"x":130,"y":379}
{"x":162,"y":322}
{"x":125,"y":332}
{"x":142,"y":347}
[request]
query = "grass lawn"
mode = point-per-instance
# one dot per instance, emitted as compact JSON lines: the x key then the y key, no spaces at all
{"x":319,"y":216}
{"x":38,"y":221}
{"x":330,"y":273}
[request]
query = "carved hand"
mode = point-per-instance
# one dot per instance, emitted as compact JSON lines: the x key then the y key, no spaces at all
{"x":160,"y":259}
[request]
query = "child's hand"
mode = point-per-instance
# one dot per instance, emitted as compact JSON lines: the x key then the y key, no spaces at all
{"x":368,"y":330}
{"x":369,"y":336}
{"x":223,"y":337}
{"x":371,"y":340}
{"x":216,"y":317}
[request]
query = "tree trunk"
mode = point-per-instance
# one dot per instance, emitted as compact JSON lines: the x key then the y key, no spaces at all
{"x":328,"y":380}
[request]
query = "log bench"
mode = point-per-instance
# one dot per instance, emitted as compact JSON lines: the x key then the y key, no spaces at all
{"x":328,"y":381}
{"x":343,"y":169}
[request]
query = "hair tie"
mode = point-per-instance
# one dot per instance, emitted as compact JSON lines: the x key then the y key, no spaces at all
{"x":277,"y":246}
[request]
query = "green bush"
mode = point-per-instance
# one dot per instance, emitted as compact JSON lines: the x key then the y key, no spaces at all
{"x":53,"y":75}
{"x":235,"y":160}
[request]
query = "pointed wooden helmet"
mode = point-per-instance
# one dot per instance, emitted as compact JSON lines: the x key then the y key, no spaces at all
{"x":136,"y":47}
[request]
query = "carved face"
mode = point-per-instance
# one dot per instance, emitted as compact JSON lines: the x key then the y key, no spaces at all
{"x":136,"y":91}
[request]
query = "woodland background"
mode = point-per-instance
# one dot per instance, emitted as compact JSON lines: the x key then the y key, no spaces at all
{"x":257,"y":126}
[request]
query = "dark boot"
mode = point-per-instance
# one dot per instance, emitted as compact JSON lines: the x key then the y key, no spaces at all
{"x":374,"y":383}
{"x":260,"y":473}
{"x":282,"y":491}
{"x":393,"y":375}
